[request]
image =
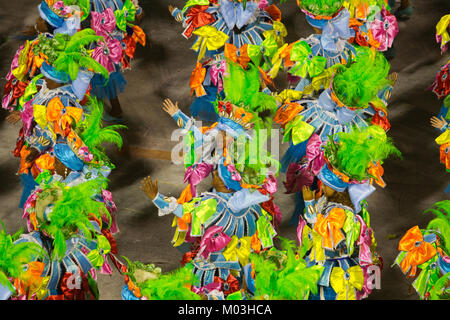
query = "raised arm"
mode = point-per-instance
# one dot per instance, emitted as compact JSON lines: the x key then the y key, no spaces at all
{"x":182,"y":120}
{"x":176,"y":13}
{"x":165,"y":205}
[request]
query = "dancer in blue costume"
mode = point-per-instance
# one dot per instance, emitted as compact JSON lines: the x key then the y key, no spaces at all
{"x":335,"y":226}
{"x":342,"y":105}
{"x":225,"y":25}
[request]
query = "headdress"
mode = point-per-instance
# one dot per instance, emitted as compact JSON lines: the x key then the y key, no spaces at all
{"x":65,"y":55}
{"x":244,"y":103}
{"x":356,"y":85}
{"x":354,"y":161}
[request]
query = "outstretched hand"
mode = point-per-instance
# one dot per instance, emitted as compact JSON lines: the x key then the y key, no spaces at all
{"x":13,"y":117}
{"x":438,"y":123}
{"x":150,"y":188}
{"x":179,"y":17}
{"x":170,"y":107}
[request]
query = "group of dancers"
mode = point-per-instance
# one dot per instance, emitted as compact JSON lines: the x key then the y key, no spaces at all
{"x":72,"y":60}
{"x":333,"y":113}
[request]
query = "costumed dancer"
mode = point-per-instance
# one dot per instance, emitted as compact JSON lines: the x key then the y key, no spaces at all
{"x":20,"y":275}
{"x":309,"y":57}
{"x":117,"y":22}
{"x":222,"y":227}
{"x":341,"y":28}
{"x":114,"y":21}
{"x":71,"y":217}
{"x":243,"y":31}
{"x":335,"y":225}
{"x":351,"y":98}
{"x":50,"y":105}
{"x":272,"y":274}
{"x":428,"y":250}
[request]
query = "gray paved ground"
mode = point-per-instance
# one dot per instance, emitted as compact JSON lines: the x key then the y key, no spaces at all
{"x":162,"y":69}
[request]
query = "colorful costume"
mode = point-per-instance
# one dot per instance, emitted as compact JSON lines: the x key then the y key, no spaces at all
{"x":441,"y":87}
{"x":226,"y":29}
{"x":223,"y":227}
{"x":427,"y":249}
{"x":335,"y":227}
{"x":111,"y":19}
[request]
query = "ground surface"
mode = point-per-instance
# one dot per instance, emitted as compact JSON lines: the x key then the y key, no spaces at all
{"x":162,"y":69}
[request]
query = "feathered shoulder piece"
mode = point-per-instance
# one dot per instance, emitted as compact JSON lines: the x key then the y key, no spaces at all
{"x":283,"y":274}
{"x":357,"y":84}
{"x":248,"y":103}
{"x":356,"y":152}
{"x":63,"y":211}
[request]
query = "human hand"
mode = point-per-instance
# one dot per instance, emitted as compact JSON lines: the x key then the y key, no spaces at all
{"x":13,"y":117}
{"x":150,"y":188}
{"x":170,"y":107}
{"x":308,"y":194}
{"x":33,"y":155}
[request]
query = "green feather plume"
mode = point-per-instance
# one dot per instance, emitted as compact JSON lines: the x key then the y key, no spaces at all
{"x":355,"y":150}
{"x":322,"y":7}
{"x":94,"y":135}
{"x":241,"y":88}
{"x":441,"y":290}
{"x":171,"y":286}
{"x":75,"y":55}
{"x":441,"y":224}
{"x":13,"y":256}
{"x":289,"y":278}
{"x":357,"y":85}
{"x":70,"y":213}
